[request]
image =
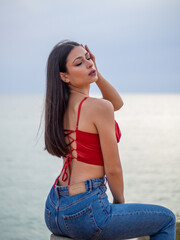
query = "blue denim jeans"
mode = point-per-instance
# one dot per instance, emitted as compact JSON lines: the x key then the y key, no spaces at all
{"x":89,"y":215}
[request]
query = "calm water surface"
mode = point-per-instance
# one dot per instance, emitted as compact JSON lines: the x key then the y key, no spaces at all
{"x":149,"y":151}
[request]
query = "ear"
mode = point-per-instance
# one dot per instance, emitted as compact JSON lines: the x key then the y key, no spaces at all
{"x":64,"y":77}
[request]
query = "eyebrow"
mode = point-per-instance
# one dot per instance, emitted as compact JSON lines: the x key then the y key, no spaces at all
{"x":80,"y":57}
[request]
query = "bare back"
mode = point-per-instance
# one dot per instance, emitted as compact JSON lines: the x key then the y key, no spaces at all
{"x":80,"y":171}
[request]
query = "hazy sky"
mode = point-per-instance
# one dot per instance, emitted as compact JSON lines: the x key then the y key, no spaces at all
{"x":136,"y":42}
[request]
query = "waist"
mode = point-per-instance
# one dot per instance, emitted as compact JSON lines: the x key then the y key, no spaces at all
{"x":77,"y":188}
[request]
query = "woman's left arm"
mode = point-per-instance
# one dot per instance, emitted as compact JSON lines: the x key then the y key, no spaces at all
{"x":107,"y":90}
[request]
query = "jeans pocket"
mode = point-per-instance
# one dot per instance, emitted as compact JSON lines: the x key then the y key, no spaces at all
{"x":82,"y":225}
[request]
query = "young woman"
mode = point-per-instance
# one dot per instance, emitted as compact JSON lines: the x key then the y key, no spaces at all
{"x":82,"y":130}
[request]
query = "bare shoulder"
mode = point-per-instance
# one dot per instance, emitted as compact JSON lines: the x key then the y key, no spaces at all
{"x":99,"y":108}
{"x":99,"y":105}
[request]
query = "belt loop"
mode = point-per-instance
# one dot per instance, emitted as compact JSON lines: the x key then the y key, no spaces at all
{"x":57,"y":193}
{"x":90,"y":185}
{"x":105,"y":182}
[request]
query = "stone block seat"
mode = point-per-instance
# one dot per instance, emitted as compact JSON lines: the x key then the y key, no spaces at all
{"x":54,"y":237}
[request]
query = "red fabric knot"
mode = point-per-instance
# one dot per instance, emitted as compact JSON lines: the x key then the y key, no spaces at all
{"x":64,"y":169}
{"x":64,"y":172}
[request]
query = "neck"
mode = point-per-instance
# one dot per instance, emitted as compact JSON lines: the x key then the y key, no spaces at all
{"x":80,"y":91}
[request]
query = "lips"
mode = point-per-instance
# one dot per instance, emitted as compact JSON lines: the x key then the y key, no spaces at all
{"x":92,"y":73}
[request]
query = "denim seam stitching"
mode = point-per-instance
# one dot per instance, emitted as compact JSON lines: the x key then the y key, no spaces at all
{"x":56,"y":220}
{"x":52,"y":204}
{"x":48,"y":218}
{"x":140,"y":212}
{"x":102,"y":204}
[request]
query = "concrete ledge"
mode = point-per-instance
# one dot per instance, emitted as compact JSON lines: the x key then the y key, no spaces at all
{"x":53,"y":237}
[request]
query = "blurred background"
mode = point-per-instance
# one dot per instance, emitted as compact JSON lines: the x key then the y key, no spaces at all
{"x":137,"y":48}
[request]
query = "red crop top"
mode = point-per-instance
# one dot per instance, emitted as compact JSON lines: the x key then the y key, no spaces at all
{"x":87,"y":147}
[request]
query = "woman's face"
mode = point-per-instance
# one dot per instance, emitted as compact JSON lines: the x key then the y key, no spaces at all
{"x":81,"y":70}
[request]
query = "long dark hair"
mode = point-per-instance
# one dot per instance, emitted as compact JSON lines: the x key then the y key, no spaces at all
{"x":56,"y":100}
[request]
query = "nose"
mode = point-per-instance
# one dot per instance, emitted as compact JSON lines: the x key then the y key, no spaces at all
{"x":89,"y":63}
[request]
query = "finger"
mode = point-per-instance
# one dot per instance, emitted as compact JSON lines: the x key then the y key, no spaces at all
{"x":87,"y":49}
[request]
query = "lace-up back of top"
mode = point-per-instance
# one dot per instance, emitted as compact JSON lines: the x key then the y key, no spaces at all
{"x":88,"y":149}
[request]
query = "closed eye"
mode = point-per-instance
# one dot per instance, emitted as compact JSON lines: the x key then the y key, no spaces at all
{"x":79,"y":64}
{"x":89,"y":58}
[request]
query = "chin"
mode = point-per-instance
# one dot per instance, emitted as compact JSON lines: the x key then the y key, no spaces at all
{"x":95,"y":78}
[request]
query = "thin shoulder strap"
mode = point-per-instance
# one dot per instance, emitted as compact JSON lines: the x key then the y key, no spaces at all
{"x":79,"y":109}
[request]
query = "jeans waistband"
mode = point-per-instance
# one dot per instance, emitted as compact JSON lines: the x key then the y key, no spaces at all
{"x":90,"y":185}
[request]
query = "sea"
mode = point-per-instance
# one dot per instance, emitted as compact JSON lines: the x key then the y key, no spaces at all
{"x":149,"y":151}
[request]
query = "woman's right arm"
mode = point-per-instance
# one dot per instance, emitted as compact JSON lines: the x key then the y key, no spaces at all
{"x":105,"y":124}
{"x":108,"y":91}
